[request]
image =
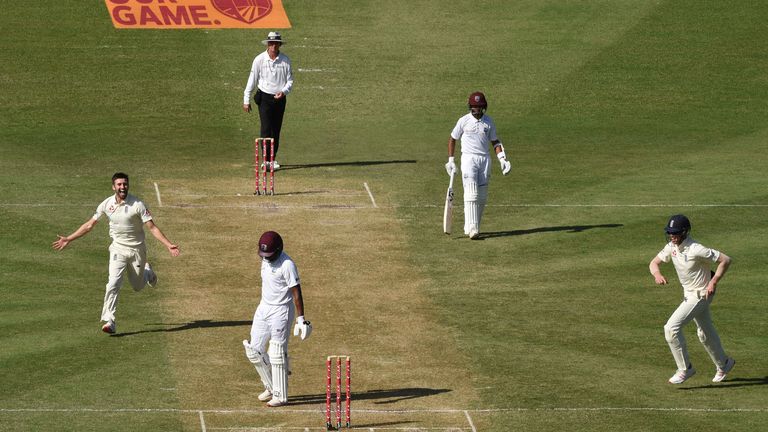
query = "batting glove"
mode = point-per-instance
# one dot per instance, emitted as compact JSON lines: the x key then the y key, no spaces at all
{"x":450,"y":167}
{"x":302,"y":328}
{"x":506,"y":166}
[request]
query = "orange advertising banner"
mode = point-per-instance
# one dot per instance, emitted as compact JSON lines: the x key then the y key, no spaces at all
{"x":186,"y":14}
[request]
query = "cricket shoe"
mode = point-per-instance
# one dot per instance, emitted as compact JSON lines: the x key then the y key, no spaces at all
{"x":265,"y":396}
{"x":682,"y":375}
{"x":722,"y":373}
{"x":151,"y":275}
{"x":275,"y":402}
{"x":474,"y":234}
{"x":109,"y":327}
{"x":275,"y":165}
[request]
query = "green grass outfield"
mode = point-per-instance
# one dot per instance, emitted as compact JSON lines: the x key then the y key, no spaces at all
{"x":615,"y":114}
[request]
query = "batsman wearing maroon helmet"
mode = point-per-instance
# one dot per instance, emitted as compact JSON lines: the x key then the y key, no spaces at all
{"x":281,"y":301}
{"x":477,"y":133}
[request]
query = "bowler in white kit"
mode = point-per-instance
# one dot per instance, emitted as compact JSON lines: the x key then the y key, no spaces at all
{"x":477,"y":133}
{"x":692,"y":261}
{"x":281,"y":301}
{"x":127,"y":216}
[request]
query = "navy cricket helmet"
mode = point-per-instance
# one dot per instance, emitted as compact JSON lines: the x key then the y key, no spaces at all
{"x":678,"y":225}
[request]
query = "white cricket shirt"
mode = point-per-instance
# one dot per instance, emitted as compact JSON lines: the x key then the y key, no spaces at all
{"x":126,"y":220}
{"x":277,"y":279}
{"x":271,"y":76}
{"x":475,"y":134}
{"x":692,"y":263}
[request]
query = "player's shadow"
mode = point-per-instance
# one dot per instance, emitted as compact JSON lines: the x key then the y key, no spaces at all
{"x":380,"y":396}
{"x":339,"y":164}
{"x":175,"y":327}
{"x":732,"y":383}
{"x":568,"y":228}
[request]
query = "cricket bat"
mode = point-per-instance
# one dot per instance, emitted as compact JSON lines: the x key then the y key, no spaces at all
{"x":448,"y":212}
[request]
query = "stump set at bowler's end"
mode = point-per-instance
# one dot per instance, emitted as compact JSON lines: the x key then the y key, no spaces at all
{"x":265,"y":147}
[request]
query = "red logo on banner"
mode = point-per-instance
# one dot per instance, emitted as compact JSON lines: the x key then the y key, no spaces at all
{"x":246,"y":11}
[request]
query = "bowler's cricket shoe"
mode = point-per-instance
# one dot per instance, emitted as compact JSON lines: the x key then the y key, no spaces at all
{"x":151,"y":275}
{"x":722,"y":373}
{"x":682,"y":375}
{"x":109,"y":327}
{"x":265,"y":396}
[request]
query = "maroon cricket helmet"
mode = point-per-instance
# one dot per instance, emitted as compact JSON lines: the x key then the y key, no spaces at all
{"x":477,"y":99}
{"x":270,"y":245}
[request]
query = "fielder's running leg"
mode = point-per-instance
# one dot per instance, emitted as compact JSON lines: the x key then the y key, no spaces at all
{"x":708,"y":336}
{"x":673,"y":332}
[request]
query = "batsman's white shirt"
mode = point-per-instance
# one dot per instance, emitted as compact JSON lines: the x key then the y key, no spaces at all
{"x":475,"y":134}
{"x":276,"y":310}
{"x":126,"y":220}
{"x":692,"y":263}
{"x":277,"y":279}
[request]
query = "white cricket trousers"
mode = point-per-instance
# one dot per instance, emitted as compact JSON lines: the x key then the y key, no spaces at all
{"x":694,"y":307}
{"x":271,"y":322}
{"x":123,"y":260}
{"x":475,"y":175}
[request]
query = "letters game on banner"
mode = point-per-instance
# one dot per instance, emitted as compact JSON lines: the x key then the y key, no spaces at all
{"x":182,"y":14}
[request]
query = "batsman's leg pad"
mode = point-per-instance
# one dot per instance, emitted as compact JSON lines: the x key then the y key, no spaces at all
{"x":471,"y":207}
{"x":482,"y":193}
{"x":482,"y":199}
{"x":471,"y":191}
{"x":279,"y":360}
{"x":257,"y":358}
{"x":473,"y":216}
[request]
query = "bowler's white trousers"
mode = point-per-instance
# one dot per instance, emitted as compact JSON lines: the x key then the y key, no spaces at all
{"x":123,"y":260}
{"x":694,"y":307}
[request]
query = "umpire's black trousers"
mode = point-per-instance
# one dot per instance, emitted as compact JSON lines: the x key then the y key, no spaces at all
{"x":271,"y":113}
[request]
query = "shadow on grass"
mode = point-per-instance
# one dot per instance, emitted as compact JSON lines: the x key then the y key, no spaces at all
{"x":570,"y":228}
{"x":337,"y":164}
{"x":377,"y":396}
{"x":385,"y":424}
{"x":732,"y":383}
{"x":186,"y":326}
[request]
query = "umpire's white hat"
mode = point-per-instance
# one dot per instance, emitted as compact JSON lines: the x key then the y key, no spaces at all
{"x":273,"y":37}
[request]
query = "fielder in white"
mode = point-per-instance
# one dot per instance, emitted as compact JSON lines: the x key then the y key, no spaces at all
{"x":128,"y":253}
{"x":692,"y":262}
{"x":477,"y":132}
{"x":281,"y":300}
